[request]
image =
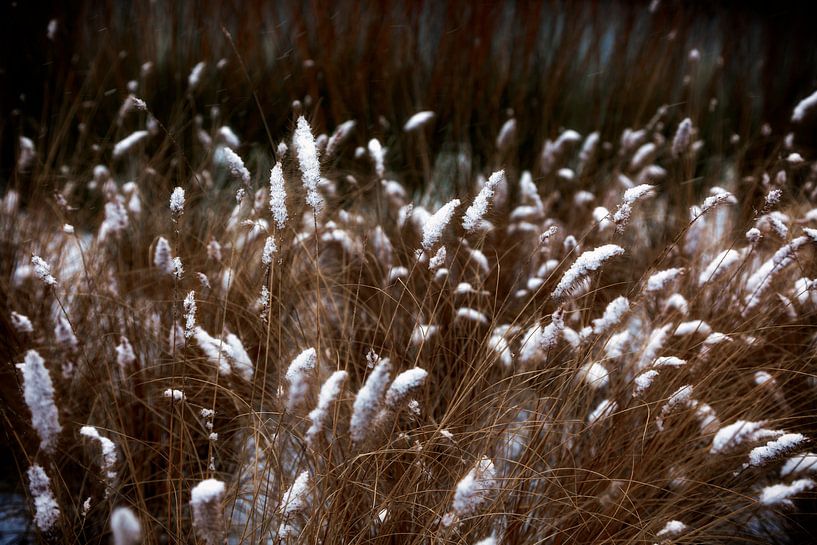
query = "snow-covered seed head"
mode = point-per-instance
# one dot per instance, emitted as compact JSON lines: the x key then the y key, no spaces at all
{"x":475,"y":488}
{"x":475,"y":212}
{"x":235,"y":165}
{"x":278,"y":196}
{"x":329,"y":392}
{"x":298,"y":377}
{"x":269,"y":250}
{"x":589,"y":261}
{"x":177,"y":202}
{"x":369,"y":401}
{"x":404,"y":384}
{"x":190,"y":314}
{"x":307,"y":153}
{"x":46,"y":508}
{"x":436,"y":224}
{"x":295,"y":498}
{"x":163,"y":256}
{"x":43,"y":271}
{"x":38,"y":392}
{"x":208,"y":513}
{"x":125,"y":527}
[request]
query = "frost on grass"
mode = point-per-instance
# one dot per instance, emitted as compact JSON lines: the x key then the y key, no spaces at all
{"x":43,"y":271}
{"x":108,"y":451}
{"x":586,"y":263}
{"x":38,"y":392}
{"x":776,"y":448}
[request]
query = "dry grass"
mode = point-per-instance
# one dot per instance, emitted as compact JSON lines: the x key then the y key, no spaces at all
{"x":560,"y":476}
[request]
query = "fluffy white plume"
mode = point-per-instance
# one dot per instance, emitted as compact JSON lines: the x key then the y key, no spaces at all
{"x":436,"y":224}
{"x":369,"y":400}
{"x":307,"y":153}
{"x":125,"y":527}
{"x":657,"y":282}
{"x":177,"y":202}
{"x":803,"y":107}
{"x":615,"y":310}
{"x":780,"y":494}
{"x":418,"y":120}
{"x":589,"y":261}
{"x":278,"y":196}
{"x":163,"y":256}
{"x":38,"y":392}
{"x":21,"y":323}
{"x":329,"y":392}
{"x":46,"y":509}
{"x":208,"y":512}
{"x":404,"y":384}
{"x":475,"y":212}
{"x":475,"y":488}
{"x":298,"y":377}
{"x":43,"y":270}
{"x":128,"y":143}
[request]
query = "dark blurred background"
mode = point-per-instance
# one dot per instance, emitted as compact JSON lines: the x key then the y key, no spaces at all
{"x":586,"y":65}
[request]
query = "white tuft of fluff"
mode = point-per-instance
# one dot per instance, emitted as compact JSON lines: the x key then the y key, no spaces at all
{"x":404,"y":384}
{"x":163,"y":256}
{"x":378,"y":155}
{"x":471,"y":315}
{"x":418,"y":120}
{"x":506,"y":134}
{"x":437,"y":222}
{"x":803,"y":107}
{"x":175,"y":395}
{"x":128,"y":143}
{"x":615,"y":310}
{"x":438,"y":259}
{"x":475,"y":212}
{"x":761,"y":280}
{"x":780,"y":494}
{"x":235,"y":165}
{"x":295,"y":498}
{"x":369,"y":400}
{"x":307,"y":152}
{"x":46,"y":509}
{"x":718,"y":266}
{"x":21,"y":323}
{"x":125,"y":356}
{"x":298,"y":377}
{"x":594,"y":375}
{"x":177,"y":202}
{"x":43,"y":270}
{"x":278,"y":196}
{"x":692,"y":327}
{"x":475,"y":488}
{"x":669,"y":361}
{"x":108,"y":449}
{"x":38,"y":392}
{"x":672,"y":528}
{"x":125,"y":527}
{"x":208,"y":513}
{"x":586,"y":263}
{"x":190,"y":314}
{"x":422,"y":333}
{"x":178,"y":268}
{"x":329,"y":392}
{"x":552,"y":332}
{"x":490,"y":540}
{"x":604,"y":409}
{"x":739,"y":432}
{"x":194,"y":78}
{"x":683,"y":136}
{"x":801,"y":463}
{"x":776,"y":448}
{"x":657,"y":282}
{"x":269,"y":250}
{"x":644,"y":381}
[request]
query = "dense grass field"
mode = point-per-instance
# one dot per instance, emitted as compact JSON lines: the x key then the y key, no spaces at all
{"x":318,"y":272}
